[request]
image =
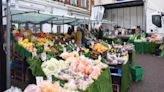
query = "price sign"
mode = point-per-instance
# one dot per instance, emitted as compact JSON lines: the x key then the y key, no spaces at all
{"x":49,"y":78}
{"x":38,"y":79}
{"x":64,"y":50}
{"x":77,"y":49}
{"x":34,"y":54}
{"x":99,"y":57}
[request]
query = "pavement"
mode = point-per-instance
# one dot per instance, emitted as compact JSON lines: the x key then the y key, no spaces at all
{"x":153,"y":76}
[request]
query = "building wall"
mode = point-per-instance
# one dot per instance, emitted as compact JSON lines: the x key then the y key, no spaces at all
{"x":125,"y":17}
{"x":78,"y":3}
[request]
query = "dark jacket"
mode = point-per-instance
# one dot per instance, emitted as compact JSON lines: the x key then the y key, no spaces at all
{"x":100,"y":35}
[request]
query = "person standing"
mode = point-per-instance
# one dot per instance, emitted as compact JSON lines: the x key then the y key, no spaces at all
{"x":138,"y":30}
{"x":72,"y":29}
{"x":78,"y":37}
{"x":83,"y":35}
{"x":100,"y":35}
{"x":69,"y":31}
{"x":86,"y":31}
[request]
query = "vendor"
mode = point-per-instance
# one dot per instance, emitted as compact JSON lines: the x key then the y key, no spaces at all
{"x":133,"y":30}
{"x":116,"y":30}
{"x":138,"y":30}
{"x":69,"y":31}
{"x":84,"y":34}
{"x":4,"y":44}
{"x":78,"y":37}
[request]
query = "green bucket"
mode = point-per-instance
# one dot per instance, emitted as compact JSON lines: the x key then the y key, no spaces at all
{"x":136,"y":72}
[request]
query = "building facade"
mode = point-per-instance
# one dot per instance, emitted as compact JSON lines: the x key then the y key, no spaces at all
{"x":72,"y":8}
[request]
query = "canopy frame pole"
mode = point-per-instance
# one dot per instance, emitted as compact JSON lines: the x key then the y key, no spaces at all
{"x":40,"y":24}
{"x":22,"y":13}
{"x":63,"y":24}
{"x":8,"y":62}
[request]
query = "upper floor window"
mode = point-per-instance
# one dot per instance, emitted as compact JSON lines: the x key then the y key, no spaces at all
{"x":73,"y":2}
{"x":84,"y":3}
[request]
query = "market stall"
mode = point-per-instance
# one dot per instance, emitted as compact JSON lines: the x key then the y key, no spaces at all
{"x":25,"y":49}
{"x":146,"y":45}
{"x":32,"y":48}
{"x":143,"y":44}
{"x":117,"y":39}
{"x":22,"y":50}
{"x":37,"y":49}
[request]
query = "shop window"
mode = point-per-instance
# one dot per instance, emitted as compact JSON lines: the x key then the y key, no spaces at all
{"x":73,"y":2}
{"x":84,"y":3}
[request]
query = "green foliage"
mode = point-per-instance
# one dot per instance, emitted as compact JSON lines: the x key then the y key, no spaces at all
{"x":35,"y":66}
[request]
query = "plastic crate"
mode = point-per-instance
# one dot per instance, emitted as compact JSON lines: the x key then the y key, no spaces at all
{"x":137,"y":73}
{"x":116,"y":71}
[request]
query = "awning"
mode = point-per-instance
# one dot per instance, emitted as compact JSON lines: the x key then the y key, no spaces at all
{"x":37,"y":17}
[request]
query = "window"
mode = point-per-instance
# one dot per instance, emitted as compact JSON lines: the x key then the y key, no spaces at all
{"x":84,"y":3}
{"x":73,"y":2}
{"x":156,"y":20}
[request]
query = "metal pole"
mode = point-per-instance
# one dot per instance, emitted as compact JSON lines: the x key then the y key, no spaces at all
{"x":8,"y":62}
{"x":51,"y":27}
{"x":63,"y":24}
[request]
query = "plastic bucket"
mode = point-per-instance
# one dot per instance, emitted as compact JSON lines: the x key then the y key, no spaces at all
{"x":137,"y":73}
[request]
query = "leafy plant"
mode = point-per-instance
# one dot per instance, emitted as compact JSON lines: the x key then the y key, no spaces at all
{"x":35,"y":66}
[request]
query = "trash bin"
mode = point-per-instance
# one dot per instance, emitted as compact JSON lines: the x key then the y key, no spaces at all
{"x":137,"y":73}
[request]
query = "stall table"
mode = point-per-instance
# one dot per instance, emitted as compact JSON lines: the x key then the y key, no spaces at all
{"x":145,"y":47}
{"x":102,"y":84}
{"x":126,"y":75}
